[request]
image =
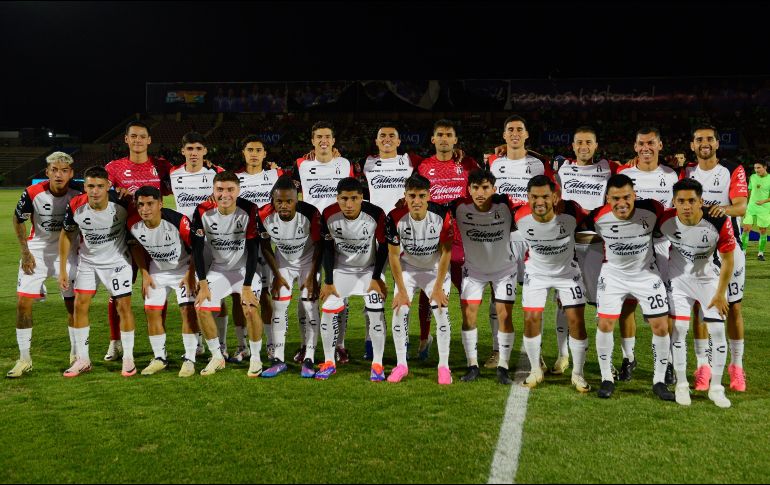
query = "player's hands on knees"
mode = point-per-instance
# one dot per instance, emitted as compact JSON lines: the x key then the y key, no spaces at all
{"x":312,"y":287}
{"x":278,"y":282}
{"x":439,"y":297}
{"x":327,"y":291}
{"x":720,"y":302}
{"x":248,"y":298}
{"x":379,"y":287}
{"x":147,"y":283}
{"x":28,"y":262}
{"x":204,"y":294}
{"x":399,"y":300}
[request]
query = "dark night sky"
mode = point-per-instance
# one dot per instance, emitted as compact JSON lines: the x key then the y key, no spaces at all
{"x":81,"y":67}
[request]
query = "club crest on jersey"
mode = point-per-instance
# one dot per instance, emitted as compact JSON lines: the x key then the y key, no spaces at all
{"x":432,"y":229}
{"x":497,"y":215}
{"x":300,"y":230}
{"x":599,"y":169}
{"x":529,"y":170}
{"x":662,"y":181}
{"x":238,"y":225}
{"x":168,"y":237}
{"x":459,"y":169}
{"x":705,"y":236}
{"x":716,"y":181}
{"x":365,"y":231}
{"x":644,"y":224}
{"x":562,"y":230}
{"x":337,"y":169}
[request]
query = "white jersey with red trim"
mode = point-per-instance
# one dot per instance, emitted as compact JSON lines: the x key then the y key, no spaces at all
{"x":514,"y":175}
{"x":46,"y":213}
{"x":257,"y":187}
{"x":551,"y":245}
{"x":319,"y":180}
{"x":692,"y":247}
{"x":103,"y":232}
{"x":657,"y":184}
{"x":721,"y":184}
{"x":356,"y":240}
{"x":192,"y":188}
{"x":628,"y":243}
{"x":486,"y":235}
{"x":226,"y":235}
{"x":168,"y":245}
{"x":586,"y":184}
{"x":385,"y":178}
{"x":293,"y":239}
{"x":420,"y":240}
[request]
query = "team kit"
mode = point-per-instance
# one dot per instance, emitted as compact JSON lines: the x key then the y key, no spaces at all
{"x":613,"y":236}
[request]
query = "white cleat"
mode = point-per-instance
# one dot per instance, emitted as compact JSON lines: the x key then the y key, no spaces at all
{"x":717,"y":394}
{"x":21,"y":368}
{"x":682,"y":393}
{"x":114,"y":350}
{"x":535,"y":377}
{"x":188,"y":369}
{"x":580,"y":383}
{"x":213,"y":366}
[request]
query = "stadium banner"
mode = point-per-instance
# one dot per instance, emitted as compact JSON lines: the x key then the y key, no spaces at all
{"x":729,"y":140}
{"x":556,"y":138}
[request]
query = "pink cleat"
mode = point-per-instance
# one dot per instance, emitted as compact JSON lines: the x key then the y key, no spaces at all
{"x":129,"y":369}
{"x":444,"y":376}
{"x":737,"y":378}
{"x":78,"y":367}
{"x":398,"y":373}
{"x":703,"y":377}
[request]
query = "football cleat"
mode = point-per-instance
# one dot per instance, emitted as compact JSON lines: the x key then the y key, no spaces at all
{"x":239,"y":356}
{"x":78,"y":368}
{"x":493,"y":360}
{"x":275,"y":369}
{"x":326,"y":370}
{"x":255,"y":368}
{"x":627,"y":370}
{"x":717,"y":394}
{"x":737,"y":378}
{"x":156,"y":365}
{"x":682,"y":394}
{"x":472,"y":374}
{"x":444,"y":376}
{"x":21,"y":368}
{"x":534,"y":378}
{"x":213,"y":366}
{"x":129,"y":369}
{"x":308,"y":369}
{"x":398,"y":373}
{"x":503,"y":377}
{"x":670,"y":378}
{"x":342,"y":355}
{"x":377,"y":374}
{"x":561,"y":365}
{"x":580,"y":383}
{"x":702,"y":377}
{"x":661,"y":390}
{"x":606,"y":388}
{"x":188,"y":369}
{"x":114,"y":350}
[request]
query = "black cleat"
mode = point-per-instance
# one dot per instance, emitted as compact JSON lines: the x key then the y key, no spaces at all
{"x":670,"y":378}
{"x":661,"y":390}
{"x":626,"y":370}
{"x":472,"y":374}
{"x":606,"y":389}
{"x":761,"y":257}
{"x":503,"y":377}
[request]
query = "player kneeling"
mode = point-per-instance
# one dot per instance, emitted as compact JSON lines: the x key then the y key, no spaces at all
{"x":485,"y":221}
{"x":420,"y":237}
{"x":295,"y":227}
{"x":165,"y":236}
{"x":354,"y":255}
{"x":627,"y":227}
{"x":229,"y":227}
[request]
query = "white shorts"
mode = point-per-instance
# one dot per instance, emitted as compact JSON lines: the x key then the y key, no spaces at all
{"x":590,"y":258}
{"x":117,"y":278}
{"x":519,"y":248}
{"x":503,"y":285}
{"x":569,"y":287}
{"x":349,"y":283}
{"x":292,"y":274}
{"x":421,"y":279}
{"x":225,"y":283}
{"x":46,"y":266}
{"x":164,"y":282}
{"x":686,"y":291}
{"x":646,"y":286}
{"x":738,"y":279}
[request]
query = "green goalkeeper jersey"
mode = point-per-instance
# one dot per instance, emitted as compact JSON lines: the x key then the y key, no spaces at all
{"x":760,"y":190}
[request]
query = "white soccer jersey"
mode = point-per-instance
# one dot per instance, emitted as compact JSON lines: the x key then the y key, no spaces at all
{"x":628,"y":243}
{"x":226,"y":235}
{"x":551,"y":244}
{"x":47,"y":214}
{"x":586,"y":184}
{"x":319,"y":180}
{"x":385,"y":178}
{"x":721,"y":184}
{"x":486,"y":235}
{"x":169,"y":245}
{"x":355,"y":241}
{"x":692,"y":247}
{"x":293,"y":239}
{"x":513,"y":175}
{"x":420,"y":240}
{"x":657,"y":184}
{"x":192,"y":188}
{"x":103,"y":232}
{"x":256,"y":187}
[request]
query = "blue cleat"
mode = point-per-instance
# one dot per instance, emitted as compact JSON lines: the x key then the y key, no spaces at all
{"x":326,"y":370}
{"x":275,"y":369}
{"x":378,"y":373}
{"x":308,"y":369}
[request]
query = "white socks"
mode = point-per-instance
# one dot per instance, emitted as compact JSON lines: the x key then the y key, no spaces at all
{"x":400,"y":327}
{"x":377,"y":333}
{"x":128,"y":344}
{"x":330,"y":328}
{"x":701,"y":351}
{"x":158,"y":344}
{"x":190,"y":341}
{"x":605,"y":341}
{"x":222,"y":331}
{"x":661,"y":347}
{"x":578,"y":349}
{"x":255,"y":348}
{"x":506,"y":346}
{"x":679,"y":345}
{"x":718,"y":352}
{"x":470,"y":343}
{"x":562,"y":332}
{"x":24,"y":339}
{"x":216,"y":352}
{"x":310,"y":331}
{"x":736,"y":352}
{"x":443,"y":334}
{"x":628,"y":348}
{"x":81,"y":343}
{"x":532,"y":346}
{"x":279,"y":327}
{"x":494,"y":325}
